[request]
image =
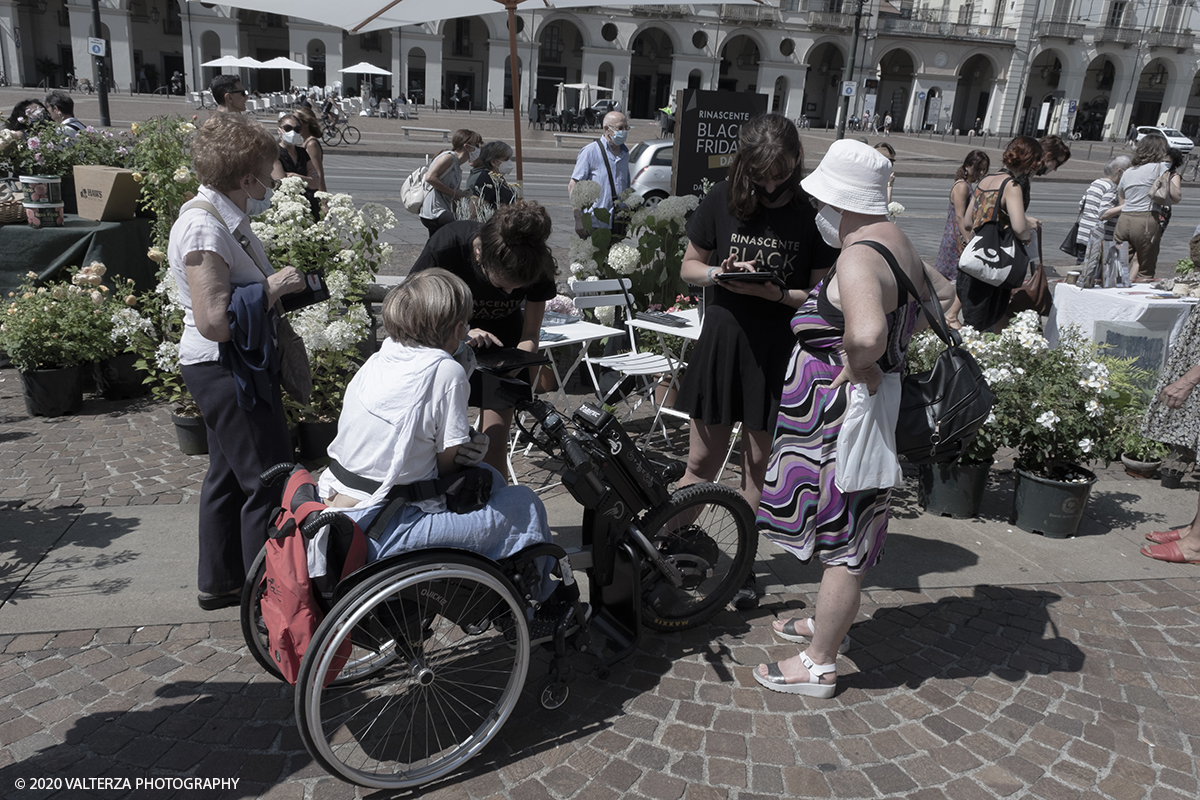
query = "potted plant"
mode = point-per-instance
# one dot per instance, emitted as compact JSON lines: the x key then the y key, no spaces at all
{"x":1060,"y":408}
{"x":1141,"y":456}
{"x":50,"y":330}
{"x":956,"y":489}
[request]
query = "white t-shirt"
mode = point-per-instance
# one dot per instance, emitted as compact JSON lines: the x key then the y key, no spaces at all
{"x":405,"y":405}
{"x":196,"y":230}
{"x":1137,"y":182}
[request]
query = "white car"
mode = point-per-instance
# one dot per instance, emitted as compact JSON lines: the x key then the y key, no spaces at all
{"x":1174,"y":138}
{"x":650,"y":166}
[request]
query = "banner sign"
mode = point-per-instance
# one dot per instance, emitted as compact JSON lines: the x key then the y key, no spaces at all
{"x":706,"y":134}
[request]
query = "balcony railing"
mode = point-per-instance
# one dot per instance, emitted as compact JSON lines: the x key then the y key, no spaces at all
{"x":754,"y":13}
{"x":943,"y":30}
{"x":830,"y":20}
{"x":1059,"y":30}
{"x":662,"y":10}
{"x":1177,"y":39}
{"x":1125,"y":36}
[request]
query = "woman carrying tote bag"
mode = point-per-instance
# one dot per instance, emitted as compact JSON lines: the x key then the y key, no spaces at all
{"x":998,"y":199}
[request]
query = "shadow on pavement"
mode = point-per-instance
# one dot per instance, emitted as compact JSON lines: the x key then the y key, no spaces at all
{"x":998,"y":631}
{"x":30,"y":537}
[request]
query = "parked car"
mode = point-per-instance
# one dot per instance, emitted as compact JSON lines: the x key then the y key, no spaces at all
{"x":650,"y":166}
{"x":1174,"y":138}
{"x":603,"y":106}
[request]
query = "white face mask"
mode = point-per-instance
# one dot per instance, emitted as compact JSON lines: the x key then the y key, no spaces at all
{"x":256,"y":207}
{"x":505,"y":167}
{"x":829,"y":220}
{"x":465,"y":356}
{"x":292,"y":138}
{"x":473,"y":153}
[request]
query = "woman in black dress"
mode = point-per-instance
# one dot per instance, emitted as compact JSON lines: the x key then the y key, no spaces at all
{"x":508,"y":266}
{"x":294,"y":160}
{"x":758,"y":220}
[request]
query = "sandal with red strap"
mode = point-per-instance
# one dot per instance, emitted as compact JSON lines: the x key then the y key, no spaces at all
{"x":1172,"y":535}
{"x":813,"y":687}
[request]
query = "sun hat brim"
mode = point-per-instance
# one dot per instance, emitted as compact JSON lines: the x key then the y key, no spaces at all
{"x":853,"y":177}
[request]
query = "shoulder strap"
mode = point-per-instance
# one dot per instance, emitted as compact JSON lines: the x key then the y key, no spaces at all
{"x":612,"y":186}
{"x":204,"y":205}
{"x":938,"y":322}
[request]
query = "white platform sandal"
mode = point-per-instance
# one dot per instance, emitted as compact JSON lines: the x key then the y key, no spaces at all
{"x":791,"y":633}
{"x":810,"y":688}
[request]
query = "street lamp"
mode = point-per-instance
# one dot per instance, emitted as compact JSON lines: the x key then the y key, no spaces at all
{"x":154,"y":17}
{"x":849,"y":74}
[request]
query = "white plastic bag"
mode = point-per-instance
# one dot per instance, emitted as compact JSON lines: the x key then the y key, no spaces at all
{"x":866,"y":444}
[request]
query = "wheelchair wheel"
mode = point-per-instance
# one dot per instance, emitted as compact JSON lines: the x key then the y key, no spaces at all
{"x":351,"y":135}
{"x":458,"y":643}
{"x":707,"y":531}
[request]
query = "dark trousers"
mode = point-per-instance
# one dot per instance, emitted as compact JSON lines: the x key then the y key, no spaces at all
{"x":441,"y":221}
{"x":235,"y":508}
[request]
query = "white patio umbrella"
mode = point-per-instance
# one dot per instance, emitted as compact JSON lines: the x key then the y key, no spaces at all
{"x":363,"y":68}
{"x":223,"y":61}
{"x":283,"y":63}
{"x":363,"y":16}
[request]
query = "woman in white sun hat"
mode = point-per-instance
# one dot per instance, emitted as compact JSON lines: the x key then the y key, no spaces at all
{"x":854,"y":326}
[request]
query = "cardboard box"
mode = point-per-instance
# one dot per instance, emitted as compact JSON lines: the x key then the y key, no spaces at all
{"x":107,"y":194}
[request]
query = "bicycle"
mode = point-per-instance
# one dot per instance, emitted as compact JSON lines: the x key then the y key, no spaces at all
{"x":343,"y":130}
{"x":423,"y":655}
{"x":1191,"y":168}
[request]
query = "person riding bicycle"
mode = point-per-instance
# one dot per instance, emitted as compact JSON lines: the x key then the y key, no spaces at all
{"x":331,"y":110}
{"x":404,"y":426}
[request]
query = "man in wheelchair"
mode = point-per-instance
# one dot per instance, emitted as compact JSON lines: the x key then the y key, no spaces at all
{"x":405,"y":452}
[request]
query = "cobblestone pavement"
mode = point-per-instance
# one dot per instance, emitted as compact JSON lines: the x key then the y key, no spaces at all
{"x":1049,"y":691}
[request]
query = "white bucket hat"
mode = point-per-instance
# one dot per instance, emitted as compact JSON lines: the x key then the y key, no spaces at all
{"x":852,"y":176}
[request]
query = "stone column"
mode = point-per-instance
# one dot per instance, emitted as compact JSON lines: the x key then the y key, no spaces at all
{"x":10,"y":54}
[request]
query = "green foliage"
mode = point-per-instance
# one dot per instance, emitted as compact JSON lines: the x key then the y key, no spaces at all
{"x":46,"y":149}
{"x":1185,"y":268}
{"x":162,"y":165}
{"x":1055,"y":406}
{"x":58,"y":324}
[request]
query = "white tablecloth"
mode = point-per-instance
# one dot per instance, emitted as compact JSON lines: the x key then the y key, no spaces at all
{"x":1134,"y":322}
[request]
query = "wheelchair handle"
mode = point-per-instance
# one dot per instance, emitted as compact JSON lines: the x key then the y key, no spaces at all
{"x":329,"y":516}
{"x":273,"y":474}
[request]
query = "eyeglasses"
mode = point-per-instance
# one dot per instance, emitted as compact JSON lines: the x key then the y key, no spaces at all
{"x":273,"y":185}
{"x":242,"y":92}
{"x":289,"y":128}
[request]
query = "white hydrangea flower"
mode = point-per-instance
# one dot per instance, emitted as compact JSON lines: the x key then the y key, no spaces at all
{"x":624,"y":259}
{"x":1048,"y":419}
{"x":585,"y":194}
{"x":676,"y":208}
{"x":606,"y":315}
{"x":128,"y":323}
{"x":166,"y":356}
{"x":1086,"y":445}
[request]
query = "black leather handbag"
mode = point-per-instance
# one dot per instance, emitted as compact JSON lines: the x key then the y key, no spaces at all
{"x":941,"y":409}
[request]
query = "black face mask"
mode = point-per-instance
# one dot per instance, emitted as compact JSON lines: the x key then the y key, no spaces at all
{"x":771,"y":197}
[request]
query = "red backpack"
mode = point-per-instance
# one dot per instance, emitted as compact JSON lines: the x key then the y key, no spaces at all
{"x":293,"y":604}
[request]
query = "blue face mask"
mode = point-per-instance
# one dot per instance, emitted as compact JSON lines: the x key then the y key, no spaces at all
{"x":619,"y":137}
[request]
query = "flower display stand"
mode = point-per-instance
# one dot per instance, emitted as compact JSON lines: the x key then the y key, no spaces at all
{"x":52,"y":392}
{"x":191,"y":434}
{"x":952,"y":490}
{"x":1050,"y":507}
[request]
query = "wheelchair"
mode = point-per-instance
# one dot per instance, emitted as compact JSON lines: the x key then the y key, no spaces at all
{"x":423,"y":656}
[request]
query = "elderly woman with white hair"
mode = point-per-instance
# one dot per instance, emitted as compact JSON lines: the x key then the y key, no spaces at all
{"x":854,"y":327}
{"x":1099,"y":209}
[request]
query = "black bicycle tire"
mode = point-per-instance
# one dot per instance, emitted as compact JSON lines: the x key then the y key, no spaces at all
{"x":347,"y":137}
{"x":705,"y":494}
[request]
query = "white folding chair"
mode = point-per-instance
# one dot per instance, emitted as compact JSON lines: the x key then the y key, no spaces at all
{"x":642,"y":367}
